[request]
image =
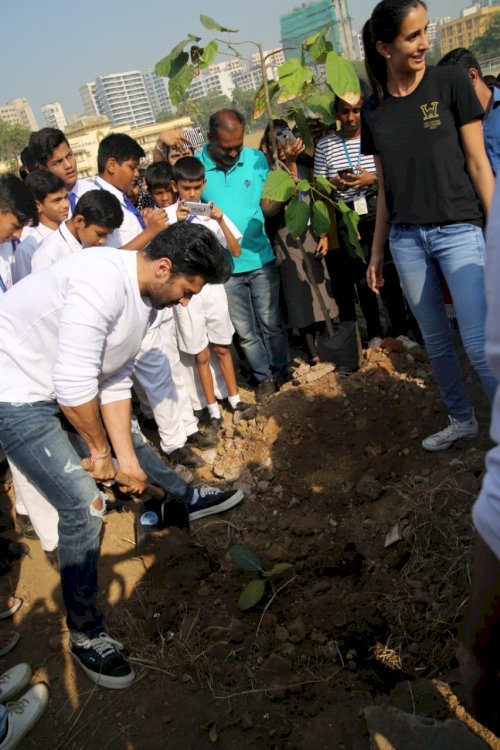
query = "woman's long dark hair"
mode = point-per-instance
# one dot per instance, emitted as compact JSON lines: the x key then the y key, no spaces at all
{"x":383,"y":26}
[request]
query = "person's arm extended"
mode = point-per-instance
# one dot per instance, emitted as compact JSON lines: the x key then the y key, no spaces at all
{"x":374,"y":275}
{"x":478,"y":164}
{"x":232,"y":243}
{"x":156,"y":221}
{"x":86,"y":419}
{"x":116,"y":416}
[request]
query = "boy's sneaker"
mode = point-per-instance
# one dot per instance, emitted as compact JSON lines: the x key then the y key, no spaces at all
{"x":13,"y":681}
{"x":101,"y":659}
{"x":211,"y":500}
{"x":23,"y":714}
{"x":456,"y":430}
{"x":242,"y":410}
{"x":203,"y":440}
{"x":23,"y":523}
{"x":186,"y":457}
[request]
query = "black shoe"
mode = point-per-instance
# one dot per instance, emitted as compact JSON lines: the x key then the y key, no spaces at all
{"x":242,"y":410}
{"x":211,"y":501}
{"x":101,"y":659}
{"x":186,"y":457}
{"x":25,"y":526}
{"x":202,"y":415}
{"x":265,"y":389}
{"x":203,"y":440}
{"x":52,"y":557}
{"x":5,"y":472}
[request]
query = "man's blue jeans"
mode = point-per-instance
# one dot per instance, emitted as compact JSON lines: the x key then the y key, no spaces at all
{"x":458,"y":250}
{"x":255,"y":313}
{"x":33,"y":438}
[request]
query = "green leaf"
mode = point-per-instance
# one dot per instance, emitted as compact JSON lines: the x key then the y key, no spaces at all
{"x":321,"y":218}
{"x":279,"y":186}
{"x":322,"y":104}
{"x":293,"y":75}
{"x":297,"y":216}
{"x":162,"y":67}
{"x":351,"y":219}
{"x":318,"y":49}
{"x":178,"y":85}
{"x":178,"y":64}
{"x":212,"y":25}
{"x":303,"y":186}
{"x":245,"y":558}
{"x":251,"y":594}
{"x":278,"y":569}
{"x":235,"y":52}
{"x":324,"y":184}
{"x":209,"y":54}
{"x":342,"y":78}
{"x":300,"y":118}
{"x":259,"y":102}
{"x":194,"y":38}
{"x":178,"y":48}
{"x":343,"y":207}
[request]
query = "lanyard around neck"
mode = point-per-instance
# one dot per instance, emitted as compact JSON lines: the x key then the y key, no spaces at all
{"x":348,"y":156}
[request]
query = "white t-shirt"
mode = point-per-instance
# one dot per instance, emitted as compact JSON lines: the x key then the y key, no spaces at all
{"x":211,"y":224}
{"x":6,"y":265}
{"x":31,"y":237}
{"x":130,"y":226}
{"x":81,"y":186}
{"x":330,"y":156}
{"x":57,"y":245}
{"x":70,"y":332}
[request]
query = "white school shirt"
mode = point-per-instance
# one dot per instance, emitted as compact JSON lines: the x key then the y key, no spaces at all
{"x":211,"y":224}
{"x":6,"y":265}
{"x":31,"y":237}
{"x":57,"y":245}
{"x":81,"y":186}
{"x":70,"y":332}
{"x":130,"y":226}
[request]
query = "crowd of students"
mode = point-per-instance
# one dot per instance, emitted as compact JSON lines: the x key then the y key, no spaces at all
{"x":187,"y":253}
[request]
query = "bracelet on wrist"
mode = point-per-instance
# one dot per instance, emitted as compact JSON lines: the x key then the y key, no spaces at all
{"x":94,"y":458}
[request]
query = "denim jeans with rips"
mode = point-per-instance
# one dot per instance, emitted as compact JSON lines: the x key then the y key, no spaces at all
{"x":458,"y":249}
{"x":254,"y":307}
{"x":34,"y":439}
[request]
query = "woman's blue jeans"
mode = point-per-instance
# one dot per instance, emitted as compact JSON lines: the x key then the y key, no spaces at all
{"x":34,"y":439}
{"x":458,"y":250}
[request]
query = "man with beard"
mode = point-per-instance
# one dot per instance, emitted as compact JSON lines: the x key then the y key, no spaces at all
{"x":235,"y":175}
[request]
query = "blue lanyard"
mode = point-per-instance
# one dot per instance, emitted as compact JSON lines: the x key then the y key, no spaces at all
{"x":129,"y":206}
{"x":348,"y":157}
{"x":3,"y":285}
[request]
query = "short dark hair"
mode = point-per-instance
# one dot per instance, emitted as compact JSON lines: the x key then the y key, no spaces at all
{"x":461,"y":57}
{"x":194,"y":251}
{"x":28,"y":163}
{"x":221,"y":119}
{"x":42,"y":183}
{"x":43,"y":142}
{"x":99,"y":207}
{"x":188,"y":168}
{"x":117,"y":146}
{"x":15,"y":198}
{"x":158,"y":175}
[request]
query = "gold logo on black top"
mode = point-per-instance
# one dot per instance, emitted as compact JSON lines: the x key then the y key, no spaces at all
{"x":431,"y":116}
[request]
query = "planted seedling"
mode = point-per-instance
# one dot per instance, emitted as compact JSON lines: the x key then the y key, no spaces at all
{"x":245,"y":558}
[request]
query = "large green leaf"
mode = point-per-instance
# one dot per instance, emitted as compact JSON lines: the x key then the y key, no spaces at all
{"x":259,"y":102}
{"x":209,"y":54}
{"x":297,"y":216}
{"x":209,"y":23}
{"x":278,"y":569}
{"x":324,"y":184}
{"x":178,"y":85}
{"x":298,"y":114}
{"x":245,"y":558}
{"x":251,"y":594}
{"x":303,"y":186}
{"x":194,"y":38}
{"x":342,"y":78}
{"x":351,"y":219}
{"x":319,"y":48}
{"x":279,"y":186}
{"x":322,"y":104}
{"x":162,"y":67}
{"x":321,"y":218}
{"x":293,"y":74}
{"x":178,"y":64}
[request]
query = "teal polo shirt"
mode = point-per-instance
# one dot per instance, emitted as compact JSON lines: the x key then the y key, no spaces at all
{"x":237,"y":193}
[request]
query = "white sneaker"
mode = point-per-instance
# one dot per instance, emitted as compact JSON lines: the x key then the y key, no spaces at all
{"x":24,"y":714}
{"x":13,"y":681}
{"x":407,"y":343}
{"x":456,"y":430}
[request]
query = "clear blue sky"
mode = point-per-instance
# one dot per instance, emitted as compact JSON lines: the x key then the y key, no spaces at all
{"x":50,"y":48}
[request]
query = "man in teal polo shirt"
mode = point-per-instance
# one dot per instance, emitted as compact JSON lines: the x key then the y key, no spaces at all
{"x":235,"y":175}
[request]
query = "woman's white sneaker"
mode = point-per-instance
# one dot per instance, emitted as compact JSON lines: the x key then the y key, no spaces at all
{"x":456,"y":430}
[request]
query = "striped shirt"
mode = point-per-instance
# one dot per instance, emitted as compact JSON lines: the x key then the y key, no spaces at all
{"x":330,"y":158}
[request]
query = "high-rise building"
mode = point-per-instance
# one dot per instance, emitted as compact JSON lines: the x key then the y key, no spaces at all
{"x":462,"y":31}
{"x":434,"y":30}
{"x":158,"y":93}
{"x":18,"y":112}
{"x":310,"y":18}
{"x":88,"y":97}
{"x":54,"y":115}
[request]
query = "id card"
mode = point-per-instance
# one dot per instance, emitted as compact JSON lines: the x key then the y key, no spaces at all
{"x":361,"y":206}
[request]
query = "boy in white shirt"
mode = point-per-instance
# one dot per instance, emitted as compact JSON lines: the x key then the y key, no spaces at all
{"x":205,"y":325}
{"x":52,"y":205}
{"x":50,"y":150}
{"x":96,"y":215}
{"x":17,"y":209}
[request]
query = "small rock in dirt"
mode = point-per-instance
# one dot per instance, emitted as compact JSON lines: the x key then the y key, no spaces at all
{"x":262,"y":486}
{"x":246,"y":721}
{"x":186,"y":678}
{"x":281,"y":634}
{"x":288,"y":649}
{"x":277,"y":663}
{"x":228,"y":470}
{"x":351,"y":665}
{"x":277,"y":553}
{"x":369,"y":487}
{"x":278,"y":690}
{"x":209,"y":456}
{"x":297,"y":628}
{"x":269,"y":620}
{"x":236,"y":631}
{"x":318,"y":637}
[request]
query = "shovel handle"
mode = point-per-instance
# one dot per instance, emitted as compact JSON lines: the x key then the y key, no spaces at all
{"x":124,"y":480}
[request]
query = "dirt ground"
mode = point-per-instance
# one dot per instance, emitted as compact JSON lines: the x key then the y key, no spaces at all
{"x":330,"y":466}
